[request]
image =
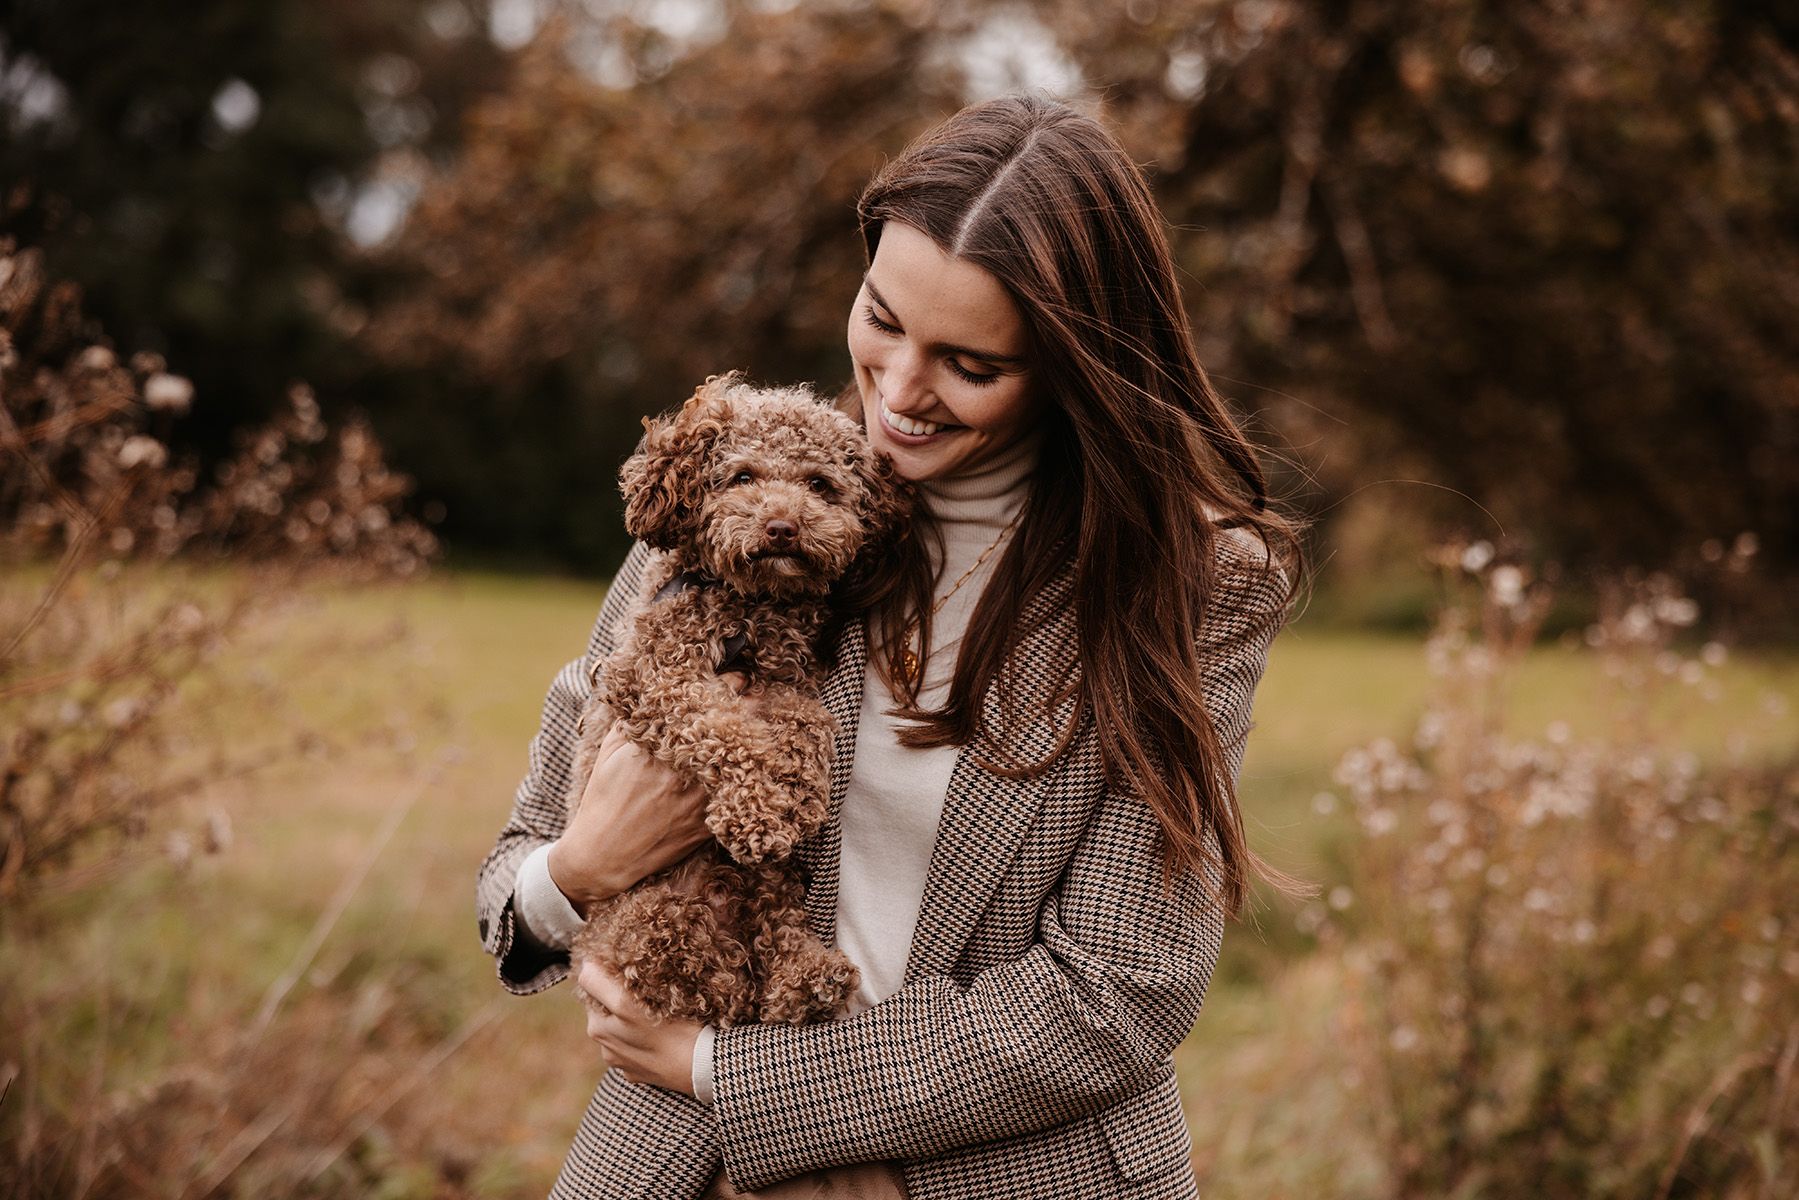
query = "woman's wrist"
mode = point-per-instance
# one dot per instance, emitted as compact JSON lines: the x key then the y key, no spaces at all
{"x":584,"y":883}
{"x":545,"y":916}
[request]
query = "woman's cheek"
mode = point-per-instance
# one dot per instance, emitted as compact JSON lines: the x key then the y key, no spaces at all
{"x":863,"y":350}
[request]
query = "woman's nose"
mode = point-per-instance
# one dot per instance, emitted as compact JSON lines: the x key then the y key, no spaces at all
{"x":903,"y":383}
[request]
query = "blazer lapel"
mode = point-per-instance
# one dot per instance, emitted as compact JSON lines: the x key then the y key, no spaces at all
{"x":986,"y":816}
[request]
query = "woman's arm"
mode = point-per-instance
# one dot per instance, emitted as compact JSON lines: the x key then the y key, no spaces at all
{"x":1079,"y":1022}
{"x":539,"y":813}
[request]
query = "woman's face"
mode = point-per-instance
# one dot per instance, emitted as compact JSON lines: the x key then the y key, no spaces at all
{"x":939,"y":349}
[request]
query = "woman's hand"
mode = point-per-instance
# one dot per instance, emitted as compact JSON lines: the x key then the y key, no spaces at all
{"x":637,"y":817}
{"x":647,"y":1049}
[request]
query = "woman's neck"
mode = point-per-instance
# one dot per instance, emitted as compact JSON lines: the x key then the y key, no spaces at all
{"x":988,"y":494}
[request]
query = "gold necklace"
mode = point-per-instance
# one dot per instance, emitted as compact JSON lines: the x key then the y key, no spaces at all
{"x":908,"y":658}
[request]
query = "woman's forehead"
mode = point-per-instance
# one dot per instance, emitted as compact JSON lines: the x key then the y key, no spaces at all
{"x":940,"y":298}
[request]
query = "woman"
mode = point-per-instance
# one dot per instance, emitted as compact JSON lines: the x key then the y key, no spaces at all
{"x":1034,"y":840}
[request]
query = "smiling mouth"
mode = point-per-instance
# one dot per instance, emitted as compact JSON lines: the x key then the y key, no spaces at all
{"x":910,"y":425}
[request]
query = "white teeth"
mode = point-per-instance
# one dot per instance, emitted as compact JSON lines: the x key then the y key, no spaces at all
{"x":908,"y":425}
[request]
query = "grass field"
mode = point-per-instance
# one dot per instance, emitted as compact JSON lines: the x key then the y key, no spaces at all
{"x":445,"y":1085}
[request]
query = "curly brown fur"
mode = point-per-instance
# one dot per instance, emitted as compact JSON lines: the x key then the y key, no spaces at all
{"x":769,"y":498}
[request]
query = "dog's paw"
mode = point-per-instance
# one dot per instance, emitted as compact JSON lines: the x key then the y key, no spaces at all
{"x":751,"y":841}
{"x":812,"y":989}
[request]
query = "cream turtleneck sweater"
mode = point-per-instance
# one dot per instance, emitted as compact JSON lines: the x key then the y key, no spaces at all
{"x":896,"y":793}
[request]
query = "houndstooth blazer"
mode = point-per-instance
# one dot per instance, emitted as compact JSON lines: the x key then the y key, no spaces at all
{"x":1028,"y":1053}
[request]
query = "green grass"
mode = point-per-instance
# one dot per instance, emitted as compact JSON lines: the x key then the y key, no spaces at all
{"x":398,"y":675}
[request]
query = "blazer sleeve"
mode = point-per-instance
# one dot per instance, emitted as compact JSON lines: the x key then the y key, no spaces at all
{"x":1079,"y":1022}
{"x":539,"y":816}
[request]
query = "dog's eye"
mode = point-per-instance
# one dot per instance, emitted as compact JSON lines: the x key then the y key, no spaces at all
{"x":821,"y":485}
{"x":742,"y":477}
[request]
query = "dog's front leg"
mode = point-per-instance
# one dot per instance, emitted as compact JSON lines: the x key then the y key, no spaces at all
{"x":773,"y":787}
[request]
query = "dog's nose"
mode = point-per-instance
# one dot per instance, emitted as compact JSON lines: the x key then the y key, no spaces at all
{"x":782,"y":533}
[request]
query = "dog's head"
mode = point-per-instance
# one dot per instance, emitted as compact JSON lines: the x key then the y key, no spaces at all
{"x":769,"y":490}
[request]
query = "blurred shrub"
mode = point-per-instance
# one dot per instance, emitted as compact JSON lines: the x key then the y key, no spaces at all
{"x":133,"y":598}
{"x":1579,"y":951}
{"x":111,"y":679}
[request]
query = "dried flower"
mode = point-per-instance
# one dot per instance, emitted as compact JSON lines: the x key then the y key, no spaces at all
{"x":168,"y":393}
{"x":141,"y":451}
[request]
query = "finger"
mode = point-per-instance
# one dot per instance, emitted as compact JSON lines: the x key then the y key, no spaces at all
{"x":623,"y":1011}
{"x":599,"y":985}
{"x":614,"y":738}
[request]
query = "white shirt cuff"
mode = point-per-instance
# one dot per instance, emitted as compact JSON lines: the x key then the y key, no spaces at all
{"x":702,"y":1065}
{"x":546,"y":914}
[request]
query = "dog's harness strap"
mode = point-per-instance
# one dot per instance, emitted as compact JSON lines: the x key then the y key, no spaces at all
{"x":735,"y":645}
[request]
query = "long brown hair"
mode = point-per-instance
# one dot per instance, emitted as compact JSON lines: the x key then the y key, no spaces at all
{"x":1143,"y":461}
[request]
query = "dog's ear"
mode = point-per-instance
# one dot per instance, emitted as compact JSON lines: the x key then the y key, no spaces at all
{"x":665,"y":481}
{"x":887,"y":502}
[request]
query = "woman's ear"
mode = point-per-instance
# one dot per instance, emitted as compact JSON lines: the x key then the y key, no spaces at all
{"x":665,"y":481}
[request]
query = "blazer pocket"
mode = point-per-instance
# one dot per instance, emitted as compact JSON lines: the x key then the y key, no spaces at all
{"x":1147,"y":1133}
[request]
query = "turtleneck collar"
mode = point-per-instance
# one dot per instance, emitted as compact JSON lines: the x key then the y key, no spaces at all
{"x":990,"y":491}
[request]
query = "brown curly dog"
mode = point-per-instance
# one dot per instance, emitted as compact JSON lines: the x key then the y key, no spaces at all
{"x":760,"y":500}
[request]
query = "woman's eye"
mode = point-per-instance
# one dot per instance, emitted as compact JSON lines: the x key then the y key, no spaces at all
{"x":971,"y":376}
{"x":961,"y":372}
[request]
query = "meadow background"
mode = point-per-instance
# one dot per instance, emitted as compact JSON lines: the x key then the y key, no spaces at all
{"x":324,"y":327}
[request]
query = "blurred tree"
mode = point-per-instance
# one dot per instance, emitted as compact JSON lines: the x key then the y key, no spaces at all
{"x":1546,"y":252}
{"x":632,"y":213}
{"x":182,"y":162}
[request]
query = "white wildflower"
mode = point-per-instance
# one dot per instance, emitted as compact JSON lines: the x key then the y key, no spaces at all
{"x":1507,"y":585}
{"x":1676,"y":610}
{"x":168,"y":393}
{"x":141,"y":451}
{"x":1380,"y":821}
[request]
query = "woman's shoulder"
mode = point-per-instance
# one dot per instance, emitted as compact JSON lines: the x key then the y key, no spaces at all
{"x":1250,"y":586}
{"x":1239,"y":548}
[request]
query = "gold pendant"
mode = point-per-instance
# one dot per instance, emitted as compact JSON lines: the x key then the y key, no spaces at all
{"x":908,"y":666}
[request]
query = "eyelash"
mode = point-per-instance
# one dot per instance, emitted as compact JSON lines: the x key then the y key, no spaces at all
{"x":958,"y":368}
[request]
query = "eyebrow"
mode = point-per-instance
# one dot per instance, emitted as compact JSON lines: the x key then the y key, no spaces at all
{"x":984,"y":355}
